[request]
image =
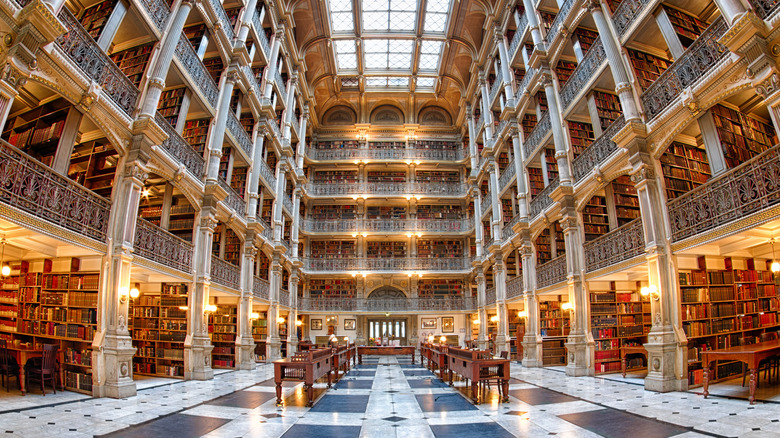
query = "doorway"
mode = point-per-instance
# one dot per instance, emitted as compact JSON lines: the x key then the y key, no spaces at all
{"x":388,"y":331}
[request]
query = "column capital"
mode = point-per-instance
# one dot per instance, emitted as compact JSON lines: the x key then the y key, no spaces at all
{"x":642,"y":173}
{"x":279,"y":33}
{"x":137,"y":172}
{"x":593,"y":5}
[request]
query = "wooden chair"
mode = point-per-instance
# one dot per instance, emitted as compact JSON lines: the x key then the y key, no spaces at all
{"x":8,"y":366}
{"x":504,"y":355}
{"x":763,"y":366}
{"x":43,"y":370}
{"x":773,"y":366}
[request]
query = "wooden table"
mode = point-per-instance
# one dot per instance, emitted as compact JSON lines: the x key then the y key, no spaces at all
{"x":23,"y":354}
{"x":425,"y":354}
{"x":352,"y":354}
{"x":306,"y":367}
{"x":340,"y":359}
{"x":384,"y":351}
{"x":439,"y":359}
{"x":478,"y":366}
{"x":752,"y":355}
{"x":630,"y":349}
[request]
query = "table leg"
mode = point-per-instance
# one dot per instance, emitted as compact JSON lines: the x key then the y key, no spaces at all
{"x":413,"y":357}
{"x":753,"y":381}
{"x":505,"y":385}
{"x":623,"y":365}
{"x":22,"y":380}
{"x":474,"y":394}
{"x":310,"y":393}
{"x":360,"y":359}
{"x":450,"y":375}
{"x":706,"y":380}
{"x":278,"y":393}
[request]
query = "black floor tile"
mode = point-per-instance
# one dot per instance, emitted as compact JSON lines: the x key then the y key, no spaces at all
{"x":540,"y":396}
{"x":341,"y":403}
{"x":363,"y":373}
{"x":426,"y":383}
{"x":319,"y":431}
{"x":443,"y":403}
{"x":270,"y":382}
{"x":172,"y":426}
{"x":612,"y":423}
{"x":355,"y":384}
{"x":243,"y":399}
{"x":482,"y":430}
{"x":417,"y":373}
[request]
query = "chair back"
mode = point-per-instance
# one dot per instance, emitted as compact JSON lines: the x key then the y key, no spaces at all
{"x":769,"y":336}
{"x":49,"y":357}
{"x":746,"y":340}
{"x":504,"y":355}
{"x":3,"y":353}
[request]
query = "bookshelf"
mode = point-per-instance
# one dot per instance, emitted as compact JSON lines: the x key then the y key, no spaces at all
{"x":195,"y":33}
{"x":647,"y":67}
{"x":435,"y":144}
{"x":529,"y":123}
{"x":742,"y":136}
{"x":553,"y":351}
{"x":436,"y":211}
{"x":518,"y":74}
{"x":337,"y":249}
{"x":547,"y":20}
{"x":133,"y":62}
{"x":560,"y":242}
{"x":563,"y":71}
{"x":626,"y":200}
{"x":439,"y":288}
{"x":619,"y":318}
{"x":248,"y":123}
{"x":687,"y":27}
{"x":516,"y":332}
{"x":93,"y":165}
{"x":37,"y":132}
{"x":386,"y":177}
{"x":385,"y":212}
{"x":535,"y":181}
{"x":232,"y":247}
{"x":223,"y":325}
{"x":95,"y":17}
{"x":338,"y":144}
{"x":595,"y":218}
{"x":9,"y":305}
{"x":608,"y":108}
{"x":159,"y":328}
{"x":238,"y":180}
{"x":216,"y":240}
{"x":427,"y":248}
{"x":586,"y":37}
{"x":386,"y":249}
{"x":437,"y":176}
{"x":581,"y":135}
{"x":182,"y":218}
{"x":506,"y":210}
{"x":685,"y":167}
{"x":333,"y":288}
{"x":543,"y":247}
{"x":335,"y":176}
{"x":224,"y":162}
{"x":267,"y":209}
{"x":170,"y":105}
{"x":196,"y":132}
{"x":214,"y":66}
{"x":552,"y":164}
{"x":331,"y":212}
{"x":260,"y":334}
{"x":387,"y":145}
{"x":553,"y":321}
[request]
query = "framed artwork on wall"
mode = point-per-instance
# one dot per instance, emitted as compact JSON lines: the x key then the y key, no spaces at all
{"x":428,"y":323}
{"x":447,"y":324}
{"x":349,"y":324}
{"x":316,"y":324}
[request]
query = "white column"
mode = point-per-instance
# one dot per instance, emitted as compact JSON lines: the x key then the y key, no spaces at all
{"x":296,"y":223}
{"x":217,"y":137}
{"x":301,"y":151}
{"x":472,"y":137}
{"x":270,"y":69}
{"x":254,"y":171}
{"x":245,"y":343}
{"x":504,"y":55}
{"x":522,"y":190}
{"x":111,"y":27}
{"x":559,"y":137}
{"x":532,"y":340}
{"x":246,"y":21}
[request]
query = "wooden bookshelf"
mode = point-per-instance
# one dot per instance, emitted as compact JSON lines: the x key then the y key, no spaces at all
{"x":333,"y":288}
{"x":547,"y":20}
{"x":439,"y":288}
{"x":435,"y":144}
{"x":260,"y":334}
{"x":159,"y":327}
{"x":386,"y":249}
{"x":387,"y":144}
{"x":386,"y":212}
{"x":196,"y":132}
{"x":181,"y":218}
{"x":331,"y":212}
{"x":535,"y":181}
{"x":516,"y":329}
{"x":518,"y":74}
{"x":626,"y":200}
{"x":214,"y":66}
{"x":553,"y":322}
{"x":506,"y":210}
{"x":437,"y":176}
{"x":385,"y":177}
{"x":195,"y":34}
{"x":687,"y":27}
{"x":543,"y":247}
{"x":581,"y":135}
{"x":37,"y":131}
{"x":223,"y":326}
{"x":428,"y":248}
{"x":267,"y":209}
{"x":335,"y":176}
{"x":742,"y":136}
{"x":647,"y":67}
{"x":685,"y":167}
{"x":552,"y":163}
{"x":563,"y":71}
{"x":232,"y":247}
{"x":337,"y":144}
{"x":619,"y":318}
{"x":337,"y":249}
{"x":216,"y":240}
{"x":93,"y":165}
{"x":595,"y":218}
{"x":170,"y":106}
{"x":133,"y":62}
{"x":553,"y":351}
{"x":529,"y":123}
{"x":248,"y":123}
{"x":95,"y":17}
{"x":586,"y":37}
{"x":9,"y":305}
{"x":439,"y":211}
{"x":608,"y":108}
{"x":238,"y":180}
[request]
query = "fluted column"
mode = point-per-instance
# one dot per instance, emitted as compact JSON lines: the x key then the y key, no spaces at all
{"x":472,"y":137}
{"x":487,"y":115}
{"x":168,"y":49}
{"x":246,"y":21}
{"x":503,"y":54}
{"x":281,"y":183}
{"x":481,"y":291}
{"x":245,"y":343}
{"x":533,"y":22}
{"x":495,"y":225}
{"x":289,"y":109}
{"x":296,"y":223}
{"x":254,"y":172}
{"x":559,"y":137}
{"x":274,"y":344}
{"x":499,"y":279}
{"x":301,"y":152}
{"x":197,"y":344}
{"x":731,"y":9}
{"x":292,"y":336}
{"x":532,"y":340}
{"x":579,"y":345}
{"x":217,"y":137}
{"x":477,"y":199}
{"x":522,"y":190}
{"x":270,"y":69}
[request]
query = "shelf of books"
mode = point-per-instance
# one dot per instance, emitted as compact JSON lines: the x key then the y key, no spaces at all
{"x":742,"y":136}
{"x":214,"y":66}
{"x":386,"y":249}
{"x":386,"y":212}
{"x":223,"y":326}
{"x":724,"y":307}
{"x":595,"y":218}
{"x":339,"y":249}
{"x":385,"y":177}
{"x":387,"y":145}
{"x":563,"y":70}
{"x":195,"y":132}
{"x":170,"y":105}
{"x":685,"y":167}
{"x":535,"y":180}
{"x":439,"y":288}
{"x":529,"y":123}
{"x":181,"y":218}
{"x":552,"y":164}
{"x":553,"y":321}
{"x":608,"y":108}
{"x":238,"y":180}
{"x":581,"y":135}
{"x":260,"y":334}
{"x":335,"y":176}
{"x":337,"y":144}
{"x":437,"y":176}
{"x":216,"y":240}
{"x":553,"y":351}
{"x":9,"y":305}
{"x":585,"y":37}
{"x":439,"y":248}
{"x":195,"y":33}
{"x":543,"y":247}
{"x":647,"y":67}
{"x":331,"y":212}
{"x":687,"y":27}
{"x":95,"y":17}
{"x":133,"y":61}
{"x":38,"y":131}
{"x":435,"y":144}
{"x":626,"y":200}
{"x":336,"y":288}
{"x":506,"y":210}
{"x":266,"y":209}
{"x":232,"y":247}
{"x":439,"y":211}
{"x":159,"y":327}
{"x":516,"y":333}
{"x":619,"y":317}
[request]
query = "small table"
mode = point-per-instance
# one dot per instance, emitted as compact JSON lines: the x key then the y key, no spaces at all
{"x":630,"y":349}
{"x":22,"y":354}
{"x":384,"y":351}
{"x":752,"y":355}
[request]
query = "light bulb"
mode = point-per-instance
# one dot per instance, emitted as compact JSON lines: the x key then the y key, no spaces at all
{"x":775,"y":268}
{"x":443,"y":339}
{"x":522,"y":314}
{"x":6,"y":270}
{"x":254,"y":315}
{"x":567,"y":306}
{"x":134,"y":293}
{"x":280,"y":320}
{"x":211,"y":308}
{"x":298,"y":322}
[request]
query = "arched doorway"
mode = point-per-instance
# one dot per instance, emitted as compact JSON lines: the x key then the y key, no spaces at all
{"x":390,"y":329}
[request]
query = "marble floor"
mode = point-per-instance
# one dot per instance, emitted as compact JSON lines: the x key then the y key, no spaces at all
{"x":391,"y":397}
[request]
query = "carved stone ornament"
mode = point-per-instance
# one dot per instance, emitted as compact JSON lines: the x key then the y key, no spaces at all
{"x":121,"y":322}
{"x":657,"y":321}
{"x":569,"y":223}
{"x":123,"y":369}
{"x":251,"y":251}
{"x":656,"y":364}
{"x":768,"y":85}
{"x":209,"y":223}
{"x":232,"y":75}
{"x":14,"y":76}
{"x":135,"y":171}
{"x":644,"y":173}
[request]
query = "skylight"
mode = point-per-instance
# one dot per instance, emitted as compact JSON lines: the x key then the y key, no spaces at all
{"x":425,"y":82}
{"x":389,"y":15}
{"x":436,"y":15}
{"x":387,"y":54}
{"x":430,"y":53}
{"x":387,"y":81}
{"x":346,"y":54}
{"x":341,"y":15}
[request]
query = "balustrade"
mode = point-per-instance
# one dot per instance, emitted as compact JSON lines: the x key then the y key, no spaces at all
{"x":239,"y":134}
{"x":266,"y":173}
{"x":543,"y":200}
{"x":746,"y":189}
{"x":426,"y":188}
{"x":158,"y":245}
{"x":234,"y":201}
{"x":271,"y":123}
{"x":529,"y":74}
{"x":616,"y":246}
{"x":699,"y":59}
{"x":598,"y":152}
{"x":507,"y":175}
{"x":261,"y":35}
{"x":387,"y":225}
{"x":222,"y":18}
{"x":284,"y":297}
{"x":764,"y":8}
{"x":34,"y":188}
{"x":495,"y":86}
{"x":480,"y":122}
{"x":507,"y":230}
{"x":280,"y":83}
{"x":537,"y":135}
{"x":196,"y":70}
{"x":518,"y":36}
{"x":557,"y":23}
{"x":267,"y":233}
{"x":388,"y":264}
{"x":552,"y":272}
{"x":387,"y":154}
{"x":490,"y":296}
{"x":80,"y":48}
{"x":514,"y":287}
{"x":180,"y":149}
{"x":260,"y":288}
{"x":585,"y":72}
{"x":287,"y":203}
{"x":224,"y":273}
{"x":158,"y":11}
{"x":487,"y":201}
{"x":450,"y":303}
{"x":625,"y":14}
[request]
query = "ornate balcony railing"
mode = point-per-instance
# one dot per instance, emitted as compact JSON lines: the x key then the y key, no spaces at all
{"x":764,"y":8}
{"x":222,"y":16}
{"x":389,"y":189}
{"x":626,"y":13}
{"x":158,"y":11}
{"x":487,"y":242}
{"x":529,"y":74}
{"x":261,"y":35}
{"x":93,"y":62}
{"x":287,"y":202}
{"x":180,"y":149}
{"x":266,"y":173}
{"x":443,"y":304}
{"x":224,"y":273}
{"x":271,"y":123}
{"x":507,"y":230}
{"x":518,"y":36}
{"x":497,"y":85}
{"x":598,"y":152}
{"x":699,"y":59}
{"x":280,"y":83}
{"x":261,"y":288}
{"x":388,"y":264}
{"x":284,"y":297}
{"x":539,"y":133}
{"x":196,"y":70}
{"x":542,"y":200}
{"x":616,"y":246}
{"x":555,"y":27}
{"x":514,"y":287}
{"x":746,"y":189}
{"x":158,"y":245}
{"x":500,"y":128}
{"x":267,"y":233}
{"x":36,"y":189}
{"x":388,"y":225}
{"x":506,"y":175}
{"x":387,"y":154}
{"x":487,"y":201}
{"x":585,"y":71}
{"x":480,"y":122}
{"x":233,"y":200}
{"x":239,"y":134}
{"x":490,"y":296}
{"x":552,"y":272}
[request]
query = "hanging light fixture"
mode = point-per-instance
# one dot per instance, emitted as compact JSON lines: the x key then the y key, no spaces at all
{"x":775,"y":264}
{"x":6,"y":270}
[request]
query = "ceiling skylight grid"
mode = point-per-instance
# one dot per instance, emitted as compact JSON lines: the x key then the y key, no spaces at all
{"x":346,"y":54}
{"x":436,"y":12}
{"x":430,"y":53}
{"x":388,"y":54}
{"x":387,"y":81}
{"x":341,"y":15}
{"x":389,"y":15}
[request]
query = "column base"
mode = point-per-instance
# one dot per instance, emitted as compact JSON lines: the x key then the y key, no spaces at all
{"x":116,"y":360}
{"x":664,"y":351}
{"x":273,"y":349}
{"x":292,"y":346}
{"x":579,"y":351}
{"x":501,"y":345}
{"x":245,"y":354}
{"x":197,"y":359}
{"x":532,"y":351}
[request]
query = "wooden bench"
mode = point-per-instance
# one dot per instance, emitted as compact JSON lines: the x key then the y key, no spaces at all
{"x":306,"y":367}
{"x":479,"y":366}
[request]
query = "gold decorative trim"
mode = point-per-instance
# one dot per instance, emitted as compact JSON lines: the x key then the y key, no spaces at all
{"x":24,"y":219}
{"x":729,"y":229}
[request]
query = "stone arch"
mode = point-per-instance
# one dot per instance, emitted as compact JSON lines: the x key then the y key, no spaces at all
{"x":387,"y":115}
{"x":434,"y":115}
{"x":386,"y":292}
{"x":606,"y":180}
{"x":339,"y":115}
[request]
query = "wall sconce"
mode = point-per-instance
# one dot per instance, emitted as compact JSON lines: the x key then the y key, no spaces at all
{"x":443,"y":339}
{"x":254,"y":315}
{"x":650,"y":291}
{"x":475,"y":321}
{"x":408,"y":197}
{"x":125,"y":293}
{"x":430,"y":338}
{"x":211,"y":308}
{"x":775,"y":264}
{"x":6,"y":270}
{"x":567,"y":306}
{"x":298,"y":323}
{"x":280,"y":320}
{"x":522,"y":314}
{"x":494,"y":318}
{"x":346,"y":339}
{"x":364,"y":274}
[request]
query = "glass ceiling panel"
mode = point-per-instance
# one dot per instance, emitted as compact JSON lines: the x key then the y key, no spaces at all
{"x":342,"y":16}
{"x":430,"y":53}
{"x":386,"y":81}
{"x":425,"y":82}
{"x":389,"y":15}
{"x":346,"y":54}
{"x":436,"y":16}
{"x":388,"y":54}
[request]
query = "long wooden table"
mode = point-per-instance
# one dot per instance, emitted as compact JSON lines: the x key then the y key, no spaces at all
{"x":23,"y":354}
{"x":752,"y":355}
{"x":340,"y":360}
{"x":384,"y":351}
{"x":425,"y":354}
{"x":437,"y":359}
{"x":306,"y":367}
{"x":478,"y":366}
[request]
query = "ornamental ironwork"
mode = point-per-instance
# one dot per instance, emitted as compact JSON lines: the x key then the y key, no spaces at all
{"x":287,"y":203}
{"x":541,"y":201}
{"x":388,"y":264}
{"x":239,"y":134}
{"x":158,"y":11}
{"x":260,"y":288}
{"x":449,"y":303}
{"x":225,"y":273}
{"x":552,"y":272}
{"x":158,"y":245}
{"x":497,"y":85}
{"x":280,"y":82}
{"x":598,"y":152}
{"x":507,"y":231}
{"x":490,"y":296}
{"x":234,"y":201}
{"x":537,"y":135}
{"x":746,"y":189}
{"x":36,"y":189}
{"x":555,"y":27}
{"x":267,"y":233}
{"x":222,"y":17}
{"x":699,"y":59}
{"x":271,"y":123}
{"x":387,"y":154}
{"x":507,"y":175}
{"x":616,"y":246}
{"x":79,"y":46}
{"x":196,"y":70}
{"x":625,"y":14}
{"x":284,"y":297}
{"x":514,"y":287}
{"x":260,"y":31}
{"x":266,"y":173}
{"x":180,"y":148}
{"x":487,"y":202}
{"x":585,"y":71}
{"x":518,"y":36}
{"x":387,"y":225}
{"x":764,"y":8}
{"x":529,"y":74}
{"x":388,"y":188}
